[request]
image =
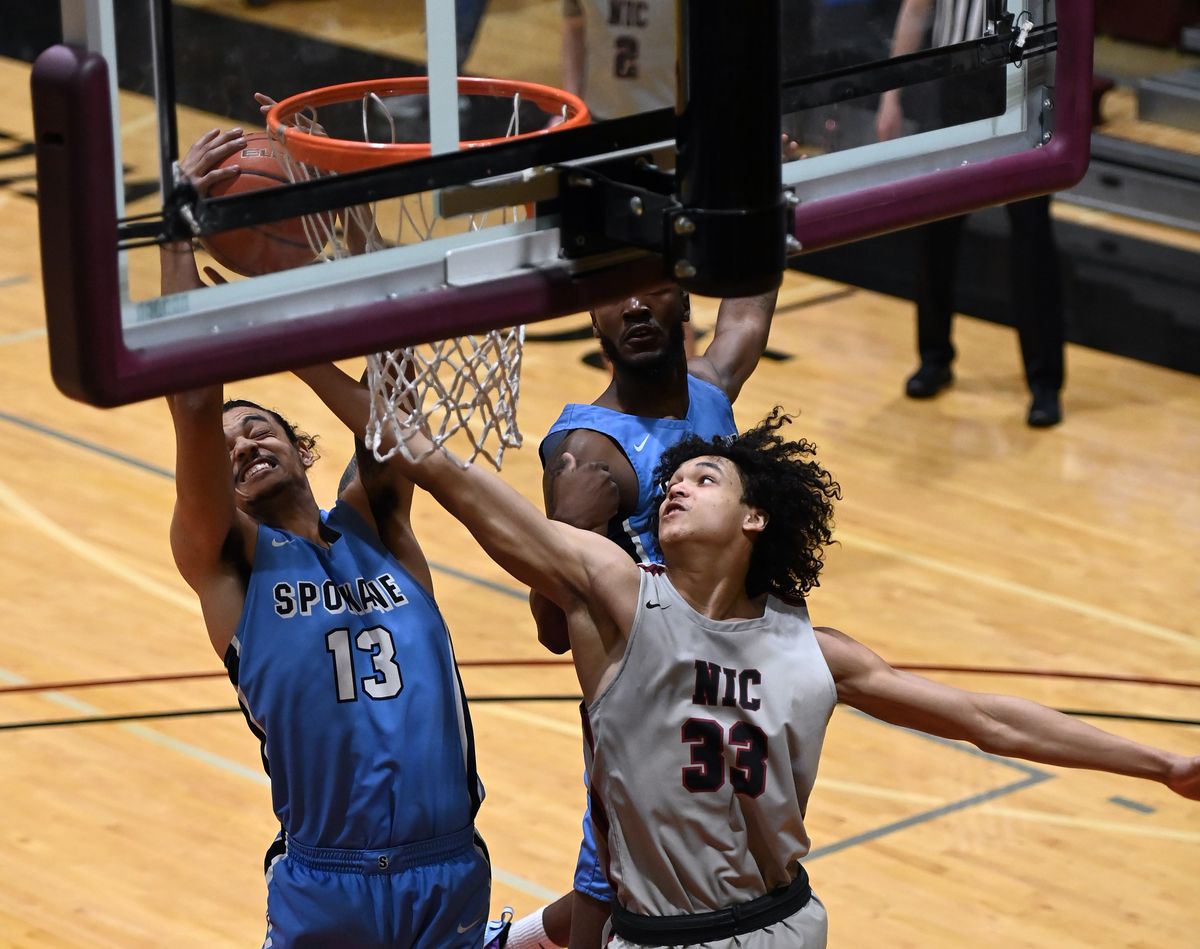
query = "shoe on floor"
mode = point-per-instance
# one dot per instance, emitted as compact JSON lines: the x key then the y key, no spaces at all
{"x":928,"y":381}
{"x":1045,"y":410}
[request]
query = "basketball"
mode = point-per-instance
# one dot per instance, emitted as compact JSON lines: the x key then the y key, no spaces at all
{"x":261,"y":248}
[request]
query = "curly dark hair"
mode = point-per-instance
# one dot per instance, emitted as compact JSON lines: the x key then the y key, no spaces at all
{"x":778,"y":477}
{"x":294,"y":435}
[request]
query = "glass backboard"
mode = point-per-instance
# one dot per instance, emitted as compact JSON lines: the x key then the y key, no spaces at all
{"x":485,"y":234}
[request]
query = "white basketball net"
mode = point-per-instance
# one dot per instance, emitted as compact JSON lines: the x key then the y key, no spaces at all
{"x":454,"y":387}
{"x":462,"y":392}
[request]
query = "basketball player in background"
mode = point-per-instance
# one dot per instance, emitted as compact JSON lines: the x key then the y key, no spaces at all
{"x":599,"y":459}
{"x":707,"y":690}
{"x":343,"y":666}
{"x":619,"y":57}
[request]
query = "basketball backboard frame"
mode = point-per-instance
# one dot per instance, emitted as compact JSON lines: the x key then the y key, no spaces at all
{"x":108,"y":350}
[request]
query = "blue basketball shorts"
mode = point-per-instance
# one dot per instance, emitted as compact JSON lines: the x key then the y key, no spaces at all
{"x":590,"y":878}
{"x":427,"y":895}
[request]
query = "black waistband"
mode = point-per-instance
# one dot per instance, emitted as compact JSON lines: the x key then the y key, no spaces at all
{"x":719,"y":924}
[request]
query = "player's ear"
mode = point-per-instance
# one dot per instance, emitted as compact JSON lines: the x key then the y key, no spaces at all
{"x":307,"y":457}
{"x":595,"y":326}
{"x":755,"y":521}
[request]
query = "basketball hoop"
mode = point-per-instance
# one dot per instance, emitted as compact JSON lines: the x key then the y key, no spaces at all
{"x":465,"y":387}
{"x":289,"y":121}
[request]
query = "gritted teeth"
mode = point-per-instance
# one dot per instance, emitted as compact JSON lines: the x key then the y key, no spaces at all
{"x":256,"y":468}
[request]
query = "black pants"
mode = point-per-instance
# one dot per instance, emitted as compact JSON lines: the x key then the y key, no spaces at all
{"x":1036,"y":295}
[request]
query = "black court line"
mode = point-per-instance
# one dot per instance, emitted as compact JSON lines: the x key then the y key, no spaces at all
{"x":229,"y":710}
{"x":832,"y":297}
{"x":535,"y":662}
{"x":477,"y":700}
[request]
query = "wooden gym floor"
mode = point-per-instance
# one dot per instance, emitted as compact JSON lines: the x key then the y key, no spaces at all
{"x":1058,"y":565}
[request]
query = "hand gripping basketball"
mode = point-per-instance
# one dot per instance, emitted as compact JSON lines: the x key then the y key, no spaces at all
{"x":230,"y":162}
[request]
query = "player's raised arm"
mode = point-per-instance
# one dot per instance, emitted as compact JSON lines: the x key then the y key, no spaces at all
{"x":558,"y":560}
{"x":211,"y":540}
{"x":740,"y":336}
{"x":377,"y":490}
{"x":998,"y":724}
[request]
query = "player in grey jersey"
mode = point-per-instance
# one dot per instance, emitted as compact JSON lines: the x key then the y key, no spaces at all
{"x":706,"y":844}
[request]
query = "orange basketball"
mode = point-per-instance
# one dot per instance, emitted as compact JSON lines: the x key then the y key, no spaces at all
{"x":260,"y":248}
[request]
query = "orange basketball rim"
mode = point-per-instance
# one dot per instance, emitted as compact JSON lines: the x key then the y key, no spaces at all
{"x":345,"y":155}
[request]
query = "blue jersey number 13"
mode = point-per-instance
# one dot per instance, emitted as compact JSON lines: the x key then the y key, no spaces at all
{"x":386,"y":683}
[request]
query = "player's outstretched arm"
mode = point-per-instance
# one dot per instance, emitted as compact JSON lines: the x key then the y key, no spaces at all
{"x":998,"y":724}
{"x":740,"y":336}
{"x":557,"y":560}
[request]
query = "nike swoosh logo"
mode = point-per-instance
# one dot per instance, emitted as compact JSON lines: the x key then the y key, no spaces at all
{"x":654,"y":606}
{"x":470,"y":926}
{"x":276,"y":542}
{"x":642,"y":444}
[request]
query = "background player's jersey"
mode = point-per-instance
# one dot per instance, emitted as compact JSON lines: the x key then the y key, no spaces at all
{"x":703,"y":752}
{"x":345,"y":671}
{"x":643,"y":441}
{"x":630,"y":54}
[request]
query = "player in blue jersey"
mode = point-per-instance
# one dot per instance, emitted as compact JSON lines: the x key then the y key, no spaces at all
{"x":343,"y":667}
{"x":599,"y":459}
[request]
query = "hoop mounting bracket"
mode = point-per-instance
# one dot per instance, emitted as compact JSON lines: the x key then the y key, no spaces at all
{"x":602,"y":213}
{"x":633,"y":205}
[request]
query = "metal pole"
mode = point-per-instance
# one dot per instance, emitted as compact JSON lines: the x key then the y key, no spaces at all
{"x":163,"y":45}
{"x":729,"y":237}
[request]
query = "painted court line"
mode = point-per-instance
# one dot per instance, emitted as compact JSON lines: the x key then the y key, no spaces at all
{"x":930,"y":563}
{"x":22,"y":337}
{"x":100,"y":557}
{"x":1094,"y":825}
{"x":926,"y":816}
{"x":57,"y":532}
{"x":239,"y":770}
{"x":849,"y":538}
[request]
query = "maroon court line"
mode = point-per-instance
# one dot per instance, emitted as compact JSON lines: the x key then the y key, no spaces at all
{"x":492,"y":663}
{"x":1048,"y":673}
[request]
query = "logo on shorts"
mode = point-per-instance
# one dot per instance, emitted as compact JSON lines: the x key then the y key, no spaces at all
{"x":471,"y":925}
{"x":383,"y":863}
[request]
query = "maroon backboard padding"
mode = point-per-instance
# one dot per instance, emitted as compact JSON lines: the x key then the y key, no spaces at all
{"x":77,"y":221}
{"x":366,"y":328}
{"x":77,"y":215}
{"x":1058,"y":164}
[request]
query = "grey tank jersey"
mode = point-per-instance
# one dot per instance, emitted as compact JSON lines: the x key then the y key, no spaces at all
{"x":703,"y":750}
